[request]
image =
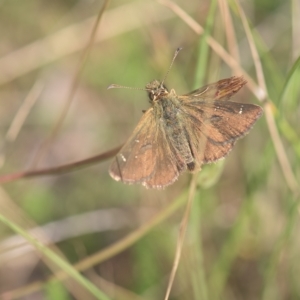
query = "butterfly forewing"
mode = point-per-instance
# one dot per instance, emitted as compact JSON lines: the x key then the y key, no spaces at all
{"x":222,"y":89}
{"x":217,"y":123}
{"x":146,"y":157}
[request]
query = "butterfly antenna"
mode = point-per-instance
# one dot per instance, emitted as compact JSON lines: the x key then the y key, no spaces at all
{"x":175,"y":55}
{"x":117,"y":86}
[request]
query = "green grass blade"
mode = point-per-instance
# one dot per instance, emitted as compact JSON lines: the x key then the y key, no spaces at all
{"x":56,"y":259}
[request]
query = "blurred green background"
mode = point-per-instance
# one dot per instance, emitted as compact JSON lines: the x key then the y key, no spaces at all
{"x":243,"y":236}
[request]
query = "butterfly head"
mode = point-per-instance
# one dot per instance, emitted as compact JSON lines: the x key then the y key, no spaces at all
{"x":156,"y":90}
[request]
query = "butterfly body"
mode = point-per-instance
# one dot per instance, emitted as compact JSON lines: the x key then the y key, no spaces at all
{"x":183,"y":132}
{"x":168,"y":114}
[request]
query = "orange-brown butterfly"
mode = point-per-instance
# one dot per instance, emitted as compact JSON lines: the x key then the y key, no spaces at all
{"x":179,"y":133}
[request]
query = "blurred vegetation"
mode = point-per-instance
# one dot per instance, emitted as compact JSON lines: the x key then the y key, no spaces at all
{"x":242,"y":240}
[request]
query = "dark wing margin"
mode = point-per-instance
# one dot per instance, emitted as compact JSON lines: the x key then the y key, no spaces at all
{"x":147,"y":158}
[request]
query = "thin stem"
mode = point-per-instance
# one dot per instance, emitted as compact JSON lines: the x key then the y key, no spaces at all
{"x":182,"y":231}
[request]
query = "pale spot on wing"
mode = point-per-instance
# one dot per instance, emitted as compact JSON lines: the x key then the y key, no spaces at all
{"x":123,"y":157}
{"x":241,"y":109}
{"x":137,"y":141}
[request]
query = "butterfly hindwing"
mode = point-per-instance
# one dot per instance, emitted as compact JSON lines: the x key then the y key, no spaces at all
{"x":146,"y":157}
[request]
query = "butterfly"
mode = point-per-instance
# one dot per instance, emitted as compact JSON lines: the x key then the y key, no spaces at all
{"x":179,"y":133}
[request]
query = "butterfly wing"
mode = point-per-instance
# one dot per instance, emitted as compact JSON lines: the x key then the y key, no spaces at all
{"x":147,"y":157}
{"x":220,"y":90}
{"x":214,"y":125}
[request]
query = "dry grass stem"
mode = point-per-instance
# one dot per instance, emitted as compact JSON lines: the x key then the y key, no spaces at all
{"x":45,"y":145}
{"x":74,"y":38}
{"x":24,"y":111}
{"x":219,"y":49}
{"x":182,"y":231}
{"x":281,"y":153}
{"x":229,"y":30}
